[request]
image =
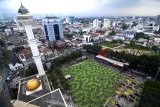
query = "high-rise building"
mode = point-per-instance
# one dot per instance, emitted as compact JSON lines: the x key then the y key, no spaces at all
{"x":70,"y":20}
{"x":96,"y":23}
{"x":53,"y":28}
{"x":26,"y":20}
{"x":113,"y":23}
{"x":107,"y":23}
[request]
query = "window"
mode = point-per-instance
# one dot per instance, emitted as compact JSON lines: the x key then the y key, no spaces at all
{"x":45,"y":28}
{"x":56,"y":31}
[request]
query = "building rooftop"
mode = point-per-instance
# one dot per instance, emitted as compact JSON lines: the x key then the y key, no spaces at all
{"x":42,"y":98}
{"x":13,"y":58}
{"x":18,"y":103}
{"x":45,"y":49}
{"x":51,"y":99}
{"x":22,"y":91}
{"x":25,"y":53}
{"x":60,"y":43}
{"x":77,"y":41}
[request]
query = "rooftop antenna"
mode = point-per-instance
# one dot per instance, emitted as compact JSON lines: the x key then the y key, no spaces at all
{"x":21,"y":2}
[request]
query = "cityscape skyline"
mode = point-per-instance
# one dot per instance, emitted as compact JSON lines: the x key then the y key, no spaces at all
{"x":83,"y":8}
{"x":79,"y":53}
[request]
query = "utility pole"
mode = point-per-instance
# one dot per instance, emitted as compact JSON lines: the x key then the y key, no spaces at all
{"x":157,"y":74}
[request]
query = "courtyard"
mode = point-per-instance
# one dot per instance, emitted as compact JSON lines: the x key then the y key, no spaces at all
{"x":91,"y":84}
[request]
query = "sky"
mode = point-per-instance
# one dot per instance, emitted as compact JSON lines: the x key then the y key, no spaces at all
{"x":83,"y":7}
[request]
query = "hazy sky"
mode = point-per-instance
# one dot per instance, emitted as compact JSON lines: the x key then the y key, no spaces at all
{"x":84,"y":7}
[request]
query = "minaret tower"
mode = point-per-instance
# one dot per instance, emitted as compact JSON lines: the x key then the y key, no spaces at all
{"x":24,"y":19}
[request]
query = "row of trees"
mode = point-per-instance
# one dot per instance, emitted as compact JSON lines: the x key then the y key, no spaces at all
{"x":145,"y":64}
{"x":113,"y":43}
{"x":58,"y":80}
{"x":141,"y":35}
{"x":17,"y":49}
{"x":2,"y":43}
{"x":53,"y":79}
{"x":93,"y":49}
{"x":4,"y":57}
{"x":68,"y":34}
{"x":150,"y":94}
{"x":117,"y":41}
{"x":64,"y":59}
{"x":32,"y":70}
{"x":112,"y":33}
{"x":133,"y":45}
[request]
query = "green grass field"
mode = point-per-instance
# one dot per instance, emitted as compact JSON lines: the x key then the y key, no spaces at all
{"x":91,"y":84}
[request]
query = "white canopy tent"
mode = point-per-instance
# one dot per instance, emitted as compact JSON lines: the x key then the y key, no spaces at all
{"x":121,"y":64}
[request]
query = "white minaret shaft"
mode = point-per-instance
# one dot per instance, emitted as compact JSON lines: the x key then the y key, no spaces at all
{"x":25,"y":20}
{"x":34,"y":49}
{"x":31,"y":40}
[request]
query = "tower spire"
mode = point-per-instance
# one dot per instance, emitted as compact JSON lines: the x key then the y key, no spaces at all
{"x":22,"y":9}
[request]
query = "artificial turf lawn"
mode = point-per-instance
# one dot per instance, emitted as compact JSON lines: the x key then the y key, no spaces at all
{"x":91,"y":83}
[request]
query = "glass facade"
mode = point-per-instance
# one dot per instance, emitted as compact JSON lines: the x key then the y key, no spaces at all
{"x":53,"y":29}
{"x":56,"y":31}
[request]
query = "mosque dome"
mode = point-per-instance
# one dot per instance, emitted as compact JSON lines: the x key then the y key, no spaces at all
{"x":32,"y":84}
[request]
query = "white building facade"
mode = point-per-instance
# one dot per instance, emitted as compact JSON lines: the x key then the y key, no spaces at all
{"x":96,"y":23}
{"x":107,"y":23}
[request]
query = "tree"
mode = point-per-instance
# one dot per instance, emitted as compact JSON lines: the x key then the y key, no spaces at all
{"x":2,"y":43}
{"x":124,"y":26}
{"x":132,"y":45}
{"x":61,"y":60}
{"x":93,"y":49}
{"x":17,"y":49}
{"x":53,"y":79}
{"x":112,"y":33}
{"x":62,"y":78}
{"x":32,"y":70}
{"x":13,"y":93}
{"x":45,"y":67}
{"x":117,"y":41}
{"x":68,"y":34}
{"x":5,"y":56}
{"x":155,"y":48}
{"x":57,"y":71}
{"x":66,"y":85}
{"x":141,"y":35}
{"x":21,"y":34}
{"x":10,"y":44}
{"x":150,"y":94}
